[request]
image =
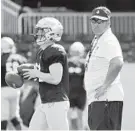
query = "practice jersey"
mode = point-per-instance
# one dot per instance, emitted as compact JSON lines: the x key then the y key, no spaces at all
{"x":10,"y":62}
{"x":76,"y":72}
{"x":77,"y":93}
{"x":4,"y":58}
{"x":14,"y":61}
{"x":48,"y":92}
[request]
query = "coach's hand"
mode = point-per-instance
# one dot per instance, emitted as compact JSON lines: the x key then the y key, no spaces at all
{"x":100,"y":91}
{"x":30,"y":73}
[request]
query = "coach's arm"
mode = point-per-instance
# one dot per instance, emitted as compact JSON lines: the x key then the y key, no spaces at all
{"x":113,"y":71}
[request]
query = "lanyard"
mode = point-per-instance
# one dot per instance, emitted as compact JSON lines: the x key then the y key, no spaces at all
{"x":93,"y":45}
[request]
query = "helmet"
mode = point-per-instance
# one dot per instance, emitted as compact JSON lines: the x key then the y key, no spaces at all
{"x":47,"y":29}
{"x":7,"y":45}
{"x":76,"y":49}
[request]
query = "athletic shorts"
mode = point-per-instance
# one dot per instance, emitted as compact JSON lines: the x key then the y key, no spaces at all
{"x":105,"y":115}
{"x":77,"y":99}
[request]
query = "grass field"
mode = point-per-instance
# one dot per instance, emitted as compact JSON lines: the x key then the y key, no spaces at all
{"x":128,"y":81}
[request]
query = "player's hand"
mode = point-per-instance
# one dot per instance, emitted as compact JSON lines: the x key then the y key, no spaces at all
{"x":100,"y":92}
{"x":30,"y":73}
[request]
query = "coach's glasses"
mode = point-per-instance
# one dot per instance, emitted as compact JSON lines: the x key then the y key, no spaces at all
{"x":97,"y":21}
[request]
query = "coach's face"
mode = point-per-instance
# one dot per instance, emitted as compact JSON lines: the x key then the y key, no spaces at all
{"x":99,"y":26}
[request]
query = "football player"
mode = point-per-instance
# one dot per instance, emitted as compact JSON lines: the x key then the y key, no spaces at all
{"x":53,"y":77}
{"x":9,"y":96}
{"x":77,"y":93}
{"x":7,"y":46}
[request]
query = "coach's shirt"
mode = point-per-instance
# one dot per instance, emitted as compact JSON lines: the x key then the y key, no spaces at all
{"x":105,"y":48}
{"x":48,"y":92}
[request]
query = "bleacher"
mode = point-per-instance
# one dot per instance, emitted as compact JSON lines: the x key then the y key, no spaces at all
{"x":76,"y":27}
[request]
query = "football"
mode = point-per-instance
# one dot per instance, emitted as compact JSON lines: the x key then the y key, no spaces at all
{"x":24,"y":66}
{"x":14,"y":80}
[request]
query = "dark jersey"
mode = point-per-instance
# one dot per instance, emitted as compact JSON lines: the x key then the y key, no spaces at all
{"x":77,"y":93}
{"x":49,"y":92}
{"x":4,"y":58}
{"x":10,"y":62}
{"x":76,"y":72}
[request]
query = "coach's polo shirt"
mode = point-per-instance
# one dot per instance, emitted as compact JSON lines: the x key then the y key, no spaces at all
{"x":106,"y":48}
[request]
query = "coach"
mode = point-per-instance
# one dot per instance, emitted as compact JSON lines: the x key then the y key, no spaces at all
{"x":102,"y":76}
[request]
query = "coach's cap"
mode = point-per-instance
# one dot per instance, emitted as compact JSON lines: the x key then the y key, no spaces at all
{"x":102,"y":13}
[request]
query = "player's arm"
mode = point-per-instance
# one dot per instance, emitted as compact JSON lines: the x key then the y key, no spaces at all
{"x":55,"y":75}
{"x":113,"y":71}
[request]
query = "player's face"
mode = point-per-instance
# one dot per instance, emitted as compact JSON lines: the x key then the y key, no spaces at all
{"x":98,"y":26}
{"x":73,"y":53}
{"x":76,"y":53}
{"x":40,"y":36}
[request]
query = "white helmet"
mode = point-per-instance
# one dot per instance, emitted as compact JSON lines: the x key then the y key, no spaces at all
{"x":77,"y":49}
{"x":7,"y":45}
{"x":50,"y":29}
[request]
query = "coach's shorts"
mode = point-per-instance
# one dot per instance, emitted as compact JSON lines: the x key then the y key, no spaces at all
{"x":77,"y":98}
{"x":105,"y":115}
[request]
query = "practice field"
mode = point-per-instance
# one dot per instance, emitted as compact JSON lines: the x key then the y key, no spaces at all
{"x":128,"y":81}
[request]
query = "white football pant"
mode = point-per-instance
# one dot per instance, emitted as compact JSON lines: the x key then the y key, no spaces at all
{"x":51,"y":116}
